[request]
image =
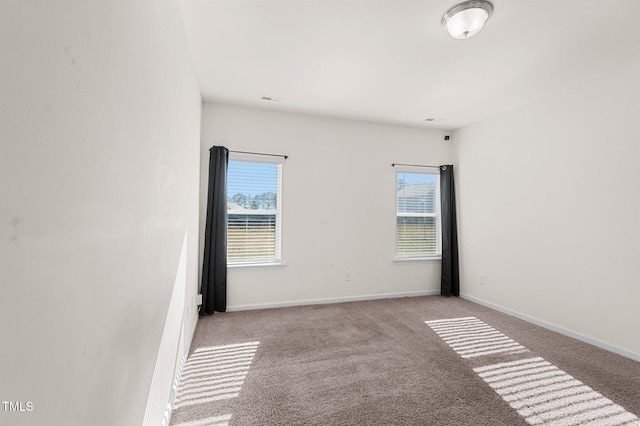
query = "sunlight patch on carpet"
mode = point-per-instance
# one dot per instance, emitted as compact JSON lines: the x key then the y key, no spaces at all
{"x":470,"y":337}
{"x":213,"y":374}
{"x":209,"y":421}
{"x":545,"y":395}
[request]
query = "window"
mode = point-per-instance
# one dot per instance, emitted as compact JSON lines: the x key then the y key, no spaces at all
{"x":254,"y":205}
{"x":417,"y":214}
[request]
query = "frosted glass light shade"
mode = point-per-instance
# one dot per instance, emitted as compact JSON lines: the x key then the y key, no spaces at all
{"x":467,"y":19}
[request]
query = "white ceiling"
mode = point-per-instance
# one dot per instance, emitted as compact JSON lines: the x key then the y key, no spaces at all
{"x":391,"y":61}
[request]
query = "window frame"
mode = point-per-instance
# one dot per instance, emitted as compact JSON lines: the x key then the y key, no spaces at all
{"x":277,"y":259}
{"x":437,"y":214}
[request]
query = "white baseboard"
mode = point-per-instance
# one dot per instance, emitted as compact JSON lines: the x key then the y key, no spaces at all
{"x":599,"y":343}
{"x":166,"y":419}
{"x":237,"y":308}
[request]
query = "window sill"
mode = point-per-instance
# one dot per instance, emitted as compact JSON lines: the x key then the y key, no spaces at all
{"x":256,"y":265}
{"x":416,"y":259}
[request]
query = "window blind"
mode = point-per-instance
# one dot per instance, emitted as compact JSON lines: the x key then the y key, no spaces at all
{"x":254,"y":207}
{"x":417,"y":215}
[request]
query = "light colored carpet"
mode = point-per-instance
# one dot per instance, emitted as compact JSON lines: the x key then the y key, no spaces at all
{"x":540,"y":392}
{"x":396,"y":362}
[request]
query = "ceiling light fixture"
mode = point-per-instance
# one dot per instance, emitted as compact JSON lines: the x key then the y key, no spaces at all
{"x":467,"y":19}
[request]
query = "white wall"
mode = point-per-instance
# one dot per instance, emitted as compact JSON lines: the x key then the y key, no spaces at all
{"x":99,"y":169}
{"x":338,"y":204}
{"x":549,"y":209}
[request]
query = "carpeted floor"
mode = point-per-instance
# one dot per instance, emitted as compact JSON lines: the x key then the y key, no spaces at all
{"x":392,"y":362}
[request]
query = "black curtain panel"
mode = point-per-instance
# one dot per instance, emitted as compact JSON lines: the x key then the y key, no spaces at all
{"x":214,"y":265}
{"x":450,"y":278}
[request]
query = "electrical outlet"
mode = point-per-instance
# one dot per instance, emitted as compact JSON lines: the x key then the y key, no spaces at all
{"x":482,"y":279}
{"x":199,"y":300}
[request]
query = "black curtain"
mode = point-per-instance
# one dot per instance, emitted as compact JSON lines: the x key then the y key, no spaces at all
{"x":450,"y":278}
{"x":214,"y":265}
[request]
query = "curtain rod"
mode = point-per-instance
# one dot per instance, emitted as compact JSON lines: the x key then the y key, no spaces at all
{"x":414,"y":165}
{"x":260,"y":153}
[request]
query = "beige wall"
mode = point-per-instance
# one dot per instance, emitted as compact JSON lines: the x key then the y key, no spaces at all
{"x":99,"y":169}
{"x":549,"y":209}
